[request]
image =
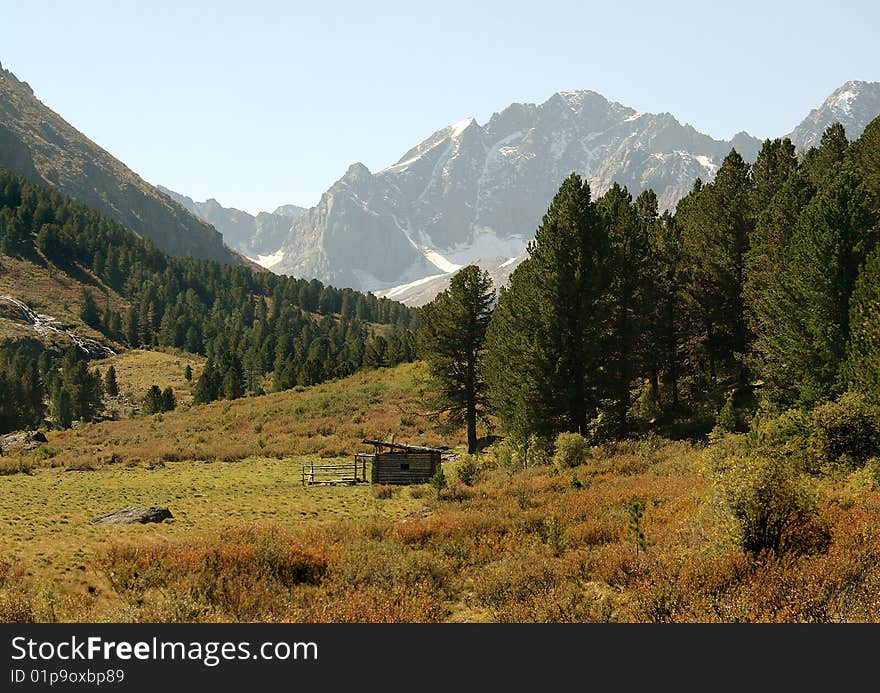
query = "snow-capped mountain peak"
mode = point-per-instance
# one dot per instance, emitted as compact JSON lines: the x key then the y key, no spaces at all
{"x":854,"y":104}
{"x":474,"y":192}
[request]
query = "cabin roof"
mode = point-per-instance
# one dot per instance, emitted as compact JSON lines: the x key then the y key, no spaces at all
{"x":400,"y":446}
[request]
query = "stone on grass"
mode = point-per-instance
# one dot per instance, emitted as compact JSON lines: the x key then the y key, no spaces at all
{"x":134,"y":516}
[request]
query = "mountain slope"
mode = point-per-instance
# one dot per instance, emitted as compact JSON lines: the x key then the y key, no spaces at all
{"x":854,"y":104}
{"x":38,"y":144}
{"x":254,"y":236}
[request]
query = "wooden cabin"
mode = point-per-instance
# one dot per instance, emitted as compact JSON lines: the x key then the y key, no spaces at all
{"x":394,"y":463}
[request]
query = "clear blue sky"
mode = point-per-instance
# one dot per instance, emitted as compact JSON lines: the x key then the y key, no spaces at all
{"x":263,"y":103}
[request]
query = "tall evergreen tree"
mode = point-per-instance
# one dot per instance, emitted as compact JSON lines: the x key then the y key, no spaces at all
{"x":62,"y":407}
{"x":766,"y":253}
{"x":717,"y":223}
{"x":627,"y":227}
{"x":89,"y":311}
{"x":152,"y":403}
{"x":168,"y":400}
{"x":863,"y":365}
{"x":452,"y":334}
{"x":544,"y":343}
{"x":820,"y":161}
{"x":865,"y":155}
{"x":810,"y":305}
{"x":776,"y":161}
{"x":208,"y":385}
{"x":666,"y":319}
{"x":110,"y":385}
{"x":376,"y":353}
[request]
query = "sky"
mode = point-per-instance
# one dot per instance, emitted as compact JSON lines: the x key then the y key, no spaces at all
{"x":260,"y":103}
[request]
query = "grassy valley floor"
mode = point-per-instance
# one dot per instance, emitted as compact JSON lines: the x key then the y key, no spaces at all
{"x":514,"y":543}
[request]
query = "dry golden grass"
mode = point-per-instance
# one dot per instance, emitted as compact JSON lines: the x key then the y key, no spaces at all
{"x":249,"y":543}
{"x":537,"y":545}
{"x":138,"y":369}
{"x":46,"y":517}
{"x":328,"y":420}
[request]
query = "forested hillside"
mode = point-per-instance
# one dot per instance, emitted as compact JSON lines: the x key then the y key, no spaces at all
{"x":249,"y":324}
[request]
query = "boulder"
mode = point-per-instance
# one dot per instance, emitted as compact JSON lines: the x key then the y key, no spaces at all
{"x":134,"y":516}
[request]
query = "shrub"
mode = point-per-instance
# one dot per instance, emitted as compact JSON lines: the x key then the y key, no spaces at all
{"x":383,"y":491}
{"x":848,"y":428}
{"x":438,"y":481}
{"x":771,"y":507}
{"x":469,"y":470}
{"x":14,"y":465}
{"x":603,"y":427}
{"x":787,"y":432}
{"x":16,"y":606}
{"x":646,"y":406}
{"x":727,"y":417}
{"x":571,"y":450}
{"x":417,"y":491}
{"x":245,"y":574}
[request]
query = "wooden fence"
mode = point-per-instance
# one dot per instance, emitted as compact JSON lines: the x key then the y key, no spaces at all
{"x":332,"y":474}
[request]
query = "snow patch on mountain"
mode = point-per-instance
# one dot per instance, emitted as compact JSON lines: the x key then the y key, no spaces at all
{"x":707,"y":163}
{"x":399,"y":291}
{"x":844,"y":100}
{"x":269,"y":261}
{"x":486,"y":243}
{"x":456,"y":129}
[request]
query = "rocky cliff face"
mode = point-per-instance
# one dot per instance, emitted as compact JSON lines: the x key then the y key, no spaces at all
{"x":37,"y":143}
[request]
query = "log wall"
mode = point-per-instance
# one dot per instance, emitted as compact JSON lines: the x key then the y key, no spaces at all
{"x":404,"y":468}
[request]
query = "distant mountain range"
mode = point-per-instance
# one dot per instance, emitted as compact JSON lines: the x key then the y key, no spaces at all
{"x":468,"y":193}
{"x":476,"y":193}
{"x":38,"y":144}
{"x":257,"y":237}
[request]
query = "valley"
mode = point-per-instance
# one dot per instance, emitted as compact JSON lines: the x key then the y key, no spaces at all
{"x":659,"y":386}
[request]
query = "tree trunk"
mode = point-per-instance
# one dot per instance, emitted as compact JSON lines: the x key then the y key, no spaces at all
{"x":471,"y":426}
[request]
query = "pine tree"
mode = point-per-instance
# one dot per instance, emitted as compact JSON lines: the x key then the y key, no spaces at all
{"x":376,"y":354}
{"x":627,"y":295}
{"x":152,"y":403}
{"x":451,"y":338}
{"x":84,"y":388}
{"x":544,"y":341}
{"x":820,"y":161}
{"x":666,"y":320}
{"x":168,"y":400}
{"x":865,"y":155}
{"x":89,"y":312}
{"x":110,"y":385}
{"x":62,"y":407}
{"x":233,"y":385}
{"x":131,"y":327}
{"x":764,"y":259}
{"x":716,"y":223}
{"x":207,"y":387}
{"x":810,"y":305}
{"x":863,"y":364}
{"x":188,"y":373}
{"x":775,"y":163}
